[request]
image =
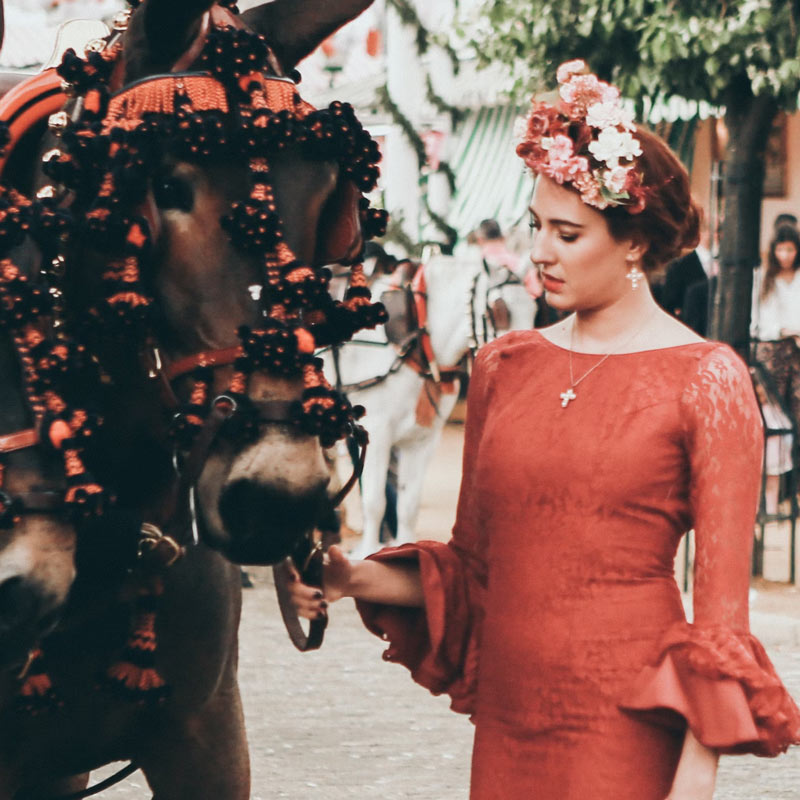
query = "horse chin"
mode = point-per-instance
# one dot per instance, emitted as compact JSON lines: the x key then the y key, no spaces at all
{"x":256,"y":524}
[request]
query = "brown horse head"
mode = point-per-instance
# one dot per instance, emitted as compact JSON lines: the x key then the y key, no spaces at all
{"x":37,"y":546}
{"x":258,"y":493}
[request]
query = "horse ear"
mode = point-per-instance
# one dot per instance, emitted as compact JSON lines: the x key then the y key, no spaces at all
{"x":295,"y":29}
{"x":160,"y":32}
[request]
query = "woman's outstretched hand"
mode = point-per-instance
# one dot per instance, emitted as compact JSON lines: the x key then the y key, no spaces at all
{"x":392,"y":584}
{"x":311,"y":602}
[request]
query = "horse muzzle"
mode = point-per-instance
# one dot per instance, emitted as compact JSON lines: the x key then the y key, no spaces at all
{"x":263,"y":524}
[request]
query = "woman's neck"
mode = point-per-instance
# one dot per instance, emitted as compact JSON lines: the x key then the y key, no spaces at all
{"x":786,"y":275}
{"x":604,"y":327}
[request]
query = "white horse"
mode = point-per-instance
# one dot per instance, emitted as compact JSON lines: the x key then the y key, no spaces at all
{"x":406,"y":374}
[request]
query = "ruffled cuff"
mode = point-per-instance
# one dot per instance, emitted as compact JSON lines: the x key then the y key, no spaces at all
{"x":437,"y":643}
{"x":725,"y":687}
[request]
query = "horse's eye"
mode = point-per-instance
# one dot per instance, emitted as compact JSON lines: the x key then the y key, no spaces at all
{"x":173,"y":192}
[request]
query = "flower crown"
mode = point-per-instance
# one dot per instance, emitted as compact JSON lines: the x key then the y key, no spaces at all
{"x":586,"y":140}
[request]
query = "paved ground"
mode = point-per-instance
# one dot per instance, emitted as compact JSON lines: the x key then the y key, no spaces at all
{"x":341,"y":723}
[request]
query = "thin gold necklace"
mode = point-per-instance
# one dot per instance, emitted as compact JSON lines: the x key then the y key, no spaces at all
{"x":569,"y":394}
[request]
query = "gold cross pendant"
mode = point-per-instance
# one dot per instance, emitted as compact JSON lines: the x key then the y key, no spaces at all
{"x":566,"y":397}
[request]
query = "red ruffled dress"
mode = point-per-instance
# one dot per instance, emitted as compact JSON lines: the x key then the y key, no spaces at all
{"x":553,"y":616}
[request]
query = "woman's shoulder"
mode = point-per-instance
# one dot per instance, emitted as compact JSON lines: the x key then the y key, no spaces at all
{"x":719,"y":378}
{"x":511,"y":343}
{"x":514,"y":347}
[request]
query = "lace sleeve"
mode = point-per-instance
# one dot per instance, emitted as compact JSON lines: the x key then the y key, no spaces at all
{"x":713,"y":672}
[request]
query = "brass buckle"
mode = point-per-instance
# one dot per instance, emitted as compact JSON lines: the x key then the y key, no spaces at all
{"x":317,"y":548}
{"x":152,"y":542}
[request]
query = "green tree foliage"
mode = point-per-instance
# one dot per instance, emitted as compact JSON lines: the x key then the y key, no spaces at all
{"x":740,"y":54}
{"x":690,"y":48}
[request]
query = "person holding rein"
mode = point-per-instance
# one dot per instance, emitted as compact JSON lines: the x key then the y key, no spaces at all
{"x":552,"y":616}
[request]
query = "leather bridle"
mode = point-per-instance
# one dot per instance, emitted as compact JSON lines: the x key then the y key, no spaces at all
{"x":41,"y":501}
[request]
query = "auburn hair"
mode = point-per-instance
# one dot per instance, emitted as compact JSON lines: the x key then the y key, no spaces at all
{"x":669,"y":224}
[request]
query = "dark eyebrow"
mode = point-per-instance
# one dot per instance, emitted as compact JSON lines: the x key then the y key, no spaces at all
{"x":558,"y":221}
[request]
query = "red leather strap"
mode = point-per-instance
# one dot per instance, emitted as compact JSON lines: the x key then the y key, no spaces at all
{"x":207,"y":358}
{"x":31,"y":101}
{"x":195,"y":48}
{"x":422,"y":365}
{"x":9,"y":442}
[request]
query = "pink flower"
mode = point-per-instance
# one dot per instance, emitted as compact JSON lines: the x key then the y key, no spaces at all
{"x":589,"y":188}
{"x":616,"y":178}
{"x":588,"y":141}
{"x":538,"y":122}
{"x":583,"y":91}
{"x":569,"y":68}
{"x":565,"y":171}
{"x":559,"y":147}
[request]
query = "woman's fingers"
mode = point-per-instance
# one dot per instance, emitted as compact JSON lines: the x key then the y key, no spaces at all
{"x":308,"y":600}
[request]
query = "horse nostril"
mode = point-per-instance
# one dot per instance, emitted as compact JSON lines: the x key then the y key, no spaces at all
{"x":18,"y":601}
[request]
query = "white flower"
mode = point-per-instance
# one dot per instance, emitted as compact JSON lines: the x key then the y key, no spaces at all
{"x":612,"y":145}
{"x":609,"y":114}
{"x":568,"y":69}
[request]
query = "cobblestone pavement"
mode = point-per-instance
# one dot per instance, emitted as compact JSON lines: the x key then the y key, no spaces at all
{"x":341,"y":723}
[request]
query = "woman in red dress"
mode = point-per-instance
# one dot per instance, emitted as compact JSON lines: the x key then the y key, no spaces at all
{"x":591,"y":448}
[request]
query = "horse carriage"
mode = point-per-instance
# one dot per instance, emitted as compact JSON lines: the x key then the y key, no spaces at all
{"x":168,"y":204}
{"x":407,"y":373}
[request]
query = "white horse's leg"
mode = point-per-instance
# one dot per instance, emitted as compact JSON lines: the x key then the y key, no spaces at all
{"x":413,"y":459}
{"x":373,"y":492}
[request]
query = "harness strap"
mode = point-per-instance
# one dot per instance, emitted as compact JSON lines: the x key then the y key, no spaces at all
{"x":207,"y":358}
{"x":358,"y":469}
{"x":196,"y":47}
{"x":41,"y":501}
{"x":27,"y":104}
{"x":20,"y":440}
{"x":128,"y":769}
{"x":37,"y":501}
{"x":427,"y":365}
{"x":282,"y":573}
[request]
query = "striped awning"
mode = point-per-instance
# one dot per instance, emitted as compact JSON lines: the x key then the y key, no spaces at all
{"x":491,"y":180}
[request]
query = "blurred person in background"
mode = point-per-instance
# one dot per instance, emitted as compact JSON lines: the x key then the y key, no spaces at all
{"x":775,"y":318}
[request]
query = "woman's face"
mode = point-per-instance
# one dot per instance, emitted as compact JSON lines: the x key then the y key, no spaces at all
{"x":786,"y":254}
{"x":581,"y":264}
